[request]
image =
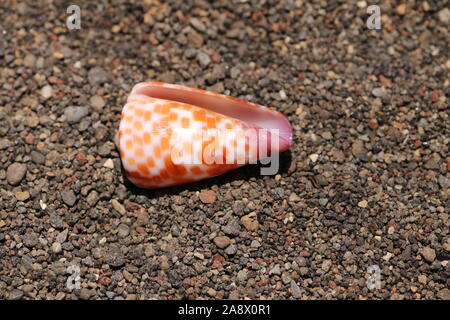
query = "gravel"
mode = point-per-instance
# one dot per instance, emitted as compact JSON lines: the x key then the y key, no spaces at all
{"x":15,"y":173}
{"x":365,"y":184}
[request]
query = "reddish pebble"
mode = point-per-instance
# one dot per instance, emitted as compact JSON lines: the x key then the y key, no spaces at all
{"x":217,"y":262}
{"x":448,"y":163}
{"x":207,"y":196}
{"x":434,"y":96}
{"x":29,"y":139}
{"x":373,"y":124}
{"x":332,"y":284}
{"x":304,"y":253}
{"x":81,"y":158}
{"x":385,"y":82}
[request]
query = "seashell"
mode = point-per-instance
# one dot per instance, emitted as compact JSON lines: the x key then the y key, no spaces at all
{"x":171,"y":134}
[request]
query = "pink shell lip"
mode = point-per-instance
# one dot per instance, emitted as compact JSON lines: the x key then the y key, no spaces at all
{"x":256,"y":116}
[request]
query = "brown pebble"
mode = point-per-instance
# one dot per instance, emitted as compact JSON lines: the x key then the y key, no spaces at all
{"x":207,"y":196}
{"x":222,"y":241}
{"x":373,"y":124}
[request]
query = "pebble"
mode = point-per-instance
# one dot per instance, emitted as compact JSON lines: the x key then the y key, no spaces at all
{"x":197,"y":24}
{"x":97,"y":76}
{"x":444,"y":15}
{"x":22,"y":195}
{"x":295,"y":290}
{"x":97,"y":102}
{"x":85,"y":294}
{"x":242,"y":276}
{"x":4,"y":144}
{"x":231,"y":250}
{"x":326,"y":265}
{"x":118,"y":206}
{"x":293,"y":197}
{"x":15,"y":173}
{"x":203,"y":59}
{"x":358,"y":148}
{"x":68,"y":196}
{"x":56,"y":247}
{"x":443,"y":294}
{"x":75,"y":114}
{"x":37,"y":157}
{"x":222,"y":241}
{"x":379,"y":92}
{"x":250,"y":222}
{"x":363,"y":204}
{"x":46,"y":91}
{"x":207,"y":196}
{"x":428,"y":254}
{"x":276,"y":270}
{"x":109,"y":163}
{"x":123,"y":230}
{"x":114,"y":257}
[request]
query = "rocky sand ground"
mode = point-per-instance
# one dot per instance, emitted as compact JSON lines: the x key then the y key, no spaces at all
{"x":364,"y":187}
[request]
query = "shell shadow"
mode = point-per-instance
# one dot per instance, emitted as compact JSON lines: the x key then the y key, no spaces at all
{"x":243,"y":173}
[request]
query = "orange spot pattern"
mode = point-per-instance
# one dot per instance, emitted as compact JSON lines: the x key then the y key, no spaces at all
{"x":147,"y":142}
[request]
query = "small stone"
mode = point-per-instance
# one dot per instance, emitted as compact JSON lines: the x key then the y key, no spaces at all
{"x":242,"y":275}
{"x":295,"y":290}
{"x":293,"y":197}
{"x":211,"y":292}
{"x":30,"y":239}
{"x":22,"y":195}
{"x":326,"y":265}
{"x":115,"y":257}
{"x":276,"y":270}
{"x":250,"y":222}
{"x":85,"y":294}
{"x":363,"y":204}
{"x":401,"y":9}
{"x":37,"y":157}
{"x":422,"y":279}
{"x":68,"y":196}
{"x":118,"y":206}
{"x":97,"y":76}
{"x":92,"y":198}
{"x":97,"y":102}
{"x":233,"y":227}
{"x":314,"y":157}
{"x":231,"y":250}
{"x":222,"y":241}
{"x":62,"y":236}
{"x":15,"y":173}
{"x":358,"y":148}
{"x":15,"y":294}
{"x":197,"y":24}
{"x":4,"y":143}
{"x":337,"y":156}
{"x":75,"y":114}
{"x":255,"y":244}
{"x":444,"y":15}
{"x":123,"y":230}
{"x":56,"y":247}
{"x":378,"y":92}
{"x":428,"y":254}
{"x":373,"y":124}
{"x":109,"y":163}
{"x":433,"y":162}
{"x":361,"y":4}
{"x":203,"y":59}
{"x":444,"y":294}
{"x":29,"y":61}
{"x":207,"y":196}
{"x":46,"y":91}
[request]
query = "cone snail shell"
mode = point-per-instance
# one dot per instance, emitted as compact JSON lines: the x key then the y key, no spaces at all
{"x":171,"y":134}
